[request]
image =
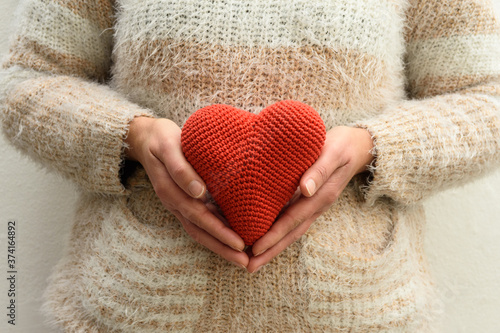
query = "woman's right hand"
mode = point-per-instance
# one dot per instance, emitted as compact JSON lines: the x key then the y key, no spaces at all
{"x":156,"y":144}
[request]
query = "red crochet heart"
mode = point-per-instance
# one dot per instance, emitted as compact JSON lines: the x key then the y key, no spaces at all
{"x":252,"y":164}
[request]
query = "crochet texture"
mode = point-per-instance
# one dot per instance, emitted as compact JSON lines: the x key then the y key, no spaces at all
{"x":422,"y":76}
{"x":252,"y":164}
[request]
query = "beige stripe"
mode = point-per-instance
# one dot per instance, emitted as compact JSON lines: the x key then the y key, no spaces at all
{"x":490,"y":88}
{"x":274,"y":299}
{"x":335,"y":283}
{"x":389,"y":315}
{"x":450,"y":18}
{"x":31,"y":54}
{"x":433,"y":86}
{"x":99,"y":11}
{"x":253,"y":78}
{"x":324,"y":323}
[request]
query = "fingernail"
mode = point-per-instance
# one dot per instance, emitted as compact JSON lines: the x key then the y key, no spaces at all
{"x":310,"y":187}
{"x":235,"y":248}
{"x":258,"y":268}
{"x":196,"y":189}
{"x":258,"y":254}
{"x":238,"y":264}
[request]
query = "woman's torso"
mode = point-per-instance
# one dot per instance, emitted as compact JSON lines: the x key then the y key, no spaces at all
{"x":357,"y":269}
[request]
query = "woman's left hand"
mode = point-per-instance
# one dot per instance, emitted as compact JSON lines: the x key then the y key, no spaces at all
{"x":347,"y":152}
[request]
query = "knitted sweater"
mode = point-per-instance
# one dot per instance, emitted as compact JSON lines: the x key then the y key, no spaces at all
{"x":422,"y":76}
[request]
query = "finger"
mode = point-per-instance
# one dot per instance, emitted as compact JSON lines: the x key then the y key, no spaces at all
{"x":200,"y":236}
{"x":292,"y":200}
{"x":257,"y":262}
{"x":180,"y":170}
{"x":319,"y":173}
{"x":303,"y":208}
{"x":198,"y":213}
{"x":212,"y":208}
{"x":194,"y":210}
{"x":295,"y":215}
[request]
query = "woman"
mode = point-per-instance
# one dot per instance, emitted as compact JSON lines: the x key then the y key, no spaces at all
{"x":407,"y":91}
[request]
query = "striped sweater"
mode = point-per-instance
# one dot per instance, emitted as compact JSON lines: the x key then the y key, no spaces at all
{"x":422,"y":76}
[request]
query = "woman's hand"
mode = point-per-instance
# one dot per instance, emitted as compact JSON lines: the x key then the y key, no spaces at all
{"x":347,"y":152}
{"x":156,"y":144}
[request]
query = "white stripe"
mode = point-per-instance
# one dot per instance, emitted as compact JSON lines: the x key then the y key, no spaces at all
{"x":372,"y":312}
{"x":345,"y":282}
{"x":132,"y":313}
{"x":60,"y":29}
{"x":141,"y":259}
{"x":371,"y":26}
{"x":373,"y":299}
{"x":454,"y":56}
{"x":152,"y":278}
{"x":12,"y":76}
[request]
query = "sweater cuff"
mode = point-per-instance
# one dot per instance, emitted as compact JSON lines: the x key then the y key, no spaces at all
{"x":377,"y":182}
{"x":108,"y":173}
{"x":422,"y":146}
{"x":72,"y":126}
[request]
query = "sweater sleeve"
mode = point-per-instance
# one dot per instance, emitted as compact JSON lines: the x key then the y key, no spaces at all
{"x":448,"y":131}
{"x":55,"y":104}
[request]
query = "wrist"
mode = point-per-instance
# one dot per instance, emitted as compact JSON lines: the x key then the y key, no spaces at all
{"x":137,"y":133}
{"x":365,"y":141}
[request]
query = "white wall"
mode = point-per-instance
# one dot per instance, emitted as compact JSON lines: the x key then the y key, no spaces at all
{"x":42,"y":205}
{"x":462,"y":240}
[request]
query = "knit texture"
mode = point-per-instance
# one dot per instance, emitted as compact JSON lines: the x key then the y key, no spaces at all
{"x":252,"y":164}
{"x":422,"y":76}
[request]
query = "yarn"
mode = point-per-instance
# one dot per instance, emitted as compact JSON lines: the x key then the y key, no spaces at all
{"x":252,"y":164}
{"x":421,"y":76}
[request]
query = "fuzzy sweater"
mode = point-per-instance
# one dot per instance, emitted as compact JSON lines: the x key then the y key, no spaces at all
{"x":421,"y":75}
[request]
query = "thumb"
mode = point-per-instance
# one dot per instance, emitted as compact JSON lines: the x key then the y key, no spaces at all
{"x":320,"y":171}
